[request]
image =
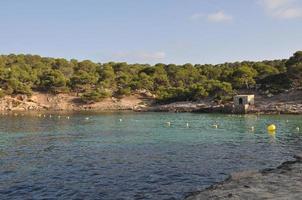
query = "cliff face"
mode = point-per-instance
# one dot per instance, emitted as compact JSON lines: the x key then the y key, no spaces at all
{"x":284,"y":182}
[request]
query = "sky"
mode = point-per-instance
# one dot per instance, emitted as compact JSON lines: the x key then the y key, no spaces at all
{"x":152,"y":31}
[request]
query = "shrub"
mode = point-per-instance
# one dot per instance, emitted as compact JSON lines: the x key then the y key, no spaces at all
{"x":276,"y":83}
{"x":2,"y":93}
{"x":18,"y":87}
{"x":173,"y":94}
{"x":123,"y":92}
{"x":94,"y":96}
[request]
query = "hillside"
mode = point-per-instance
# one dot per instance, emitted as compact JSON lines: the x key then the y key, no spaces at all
{"x":70,"y":102}
{"x":87,"y":83}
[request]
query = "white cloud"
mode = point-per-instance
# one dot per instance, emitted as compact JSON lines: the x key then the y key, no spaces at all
{"x":217,"y":17}
{"x":282,"y":9}
{"x":274,"y":4}
{"x":289,"y":13}
{"x":140,"y":56}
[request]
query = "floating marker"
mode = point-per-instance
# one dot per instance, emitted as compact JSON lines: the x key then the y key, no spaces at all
{"x":271,"y":127}
{"x":215,"y":125}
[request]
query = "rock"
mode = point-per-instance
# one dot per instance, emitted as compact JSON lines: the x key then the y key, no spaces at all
{"x":283,"y":182}
{"x":298,"y":156}
{"x":244,"y":174}
{"x":10,"y":105}
{"x":115,"y":100}
{"x":145,"y":93}
{"x":22,"y":97}
{"x":270,"y":95}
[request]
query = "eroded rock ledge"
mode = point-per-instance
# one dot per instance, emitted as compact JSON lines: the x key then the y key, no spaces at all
{"x":284,"y":182}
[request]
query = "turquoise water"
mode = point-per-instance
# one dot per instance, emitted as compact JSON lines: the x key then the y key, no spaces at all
{"x":135,"y":155}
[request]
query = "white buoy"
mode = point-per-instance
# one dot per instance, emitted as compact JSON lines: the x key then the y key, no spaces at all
{"x":187,"y":124}
{"x":169,"y":123}
{"x":298,"y":129}
{"x":215,"y":126}
{"x":67,"y":117}
{"x":252,"y":128}
{"x":59,"y":117}
{"x":87,"y":118}
{"x":120,"y":120}
{"x":50,"y":116}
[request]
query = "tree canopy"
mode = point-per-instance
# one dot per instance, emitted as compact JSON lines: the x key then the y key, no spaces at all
{"x":23,"y":74}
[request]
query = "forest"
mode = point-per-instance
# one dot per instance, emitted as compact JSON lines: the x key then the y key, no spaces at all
{"x":23,"y":74}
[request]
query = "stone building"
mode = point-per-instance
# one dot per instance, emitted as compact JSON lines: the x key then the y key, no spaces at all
{"x":243,"y":102}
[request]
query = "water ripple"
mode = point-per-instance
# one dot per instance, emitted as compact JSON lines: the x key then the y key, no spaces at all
{"x":138,"y":158}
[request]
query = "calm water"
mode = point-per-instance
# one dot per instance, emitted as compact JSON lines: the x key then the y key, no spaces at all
{"x":138,"y":157}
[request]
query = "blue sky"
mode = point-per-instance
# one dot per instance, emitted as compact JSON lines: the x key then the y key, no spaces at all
{"x":152,"y":31}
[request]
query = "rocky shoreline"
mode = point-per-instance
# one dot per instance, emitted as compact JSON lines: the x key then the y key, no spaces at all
{"x":62,"y":102}
{"x":290,"y":103}
{"x":284,"y":182}
{"x":274,"y":108}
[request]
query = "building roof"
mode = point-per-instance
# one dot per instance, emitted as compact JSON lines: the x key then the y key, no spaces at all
{"x":244,"y":95}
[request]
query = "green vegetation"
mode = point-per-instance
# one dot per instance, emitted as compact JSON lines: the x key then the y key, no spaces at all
{"x":23,"y":74}
{"x":294,"y":66}
{"x":94,"y":95}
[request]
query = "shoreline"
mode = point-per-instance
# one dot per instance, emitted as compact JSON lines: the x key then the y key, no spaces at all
{"x":282,"y":182}
{"x":154,"y":109}
{"x":286,"y":103}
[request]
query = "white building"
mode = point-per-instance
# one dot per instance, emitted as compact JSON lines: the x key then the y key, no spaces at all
{"x":243,"y":102}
